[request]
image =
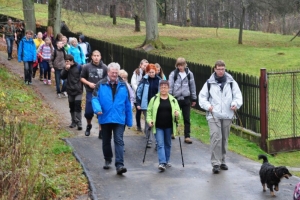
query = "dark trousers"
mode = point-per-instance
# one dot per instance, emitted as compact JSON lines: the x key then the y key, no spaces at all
{"x":185,"y":106}
{"x":28,"y":70}
{"x":138,"y":114}
{"x":118,"y":131}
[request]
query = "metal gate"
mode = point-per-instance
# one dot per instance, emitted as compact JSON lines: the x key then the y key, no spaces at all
{"x":282,"y":111}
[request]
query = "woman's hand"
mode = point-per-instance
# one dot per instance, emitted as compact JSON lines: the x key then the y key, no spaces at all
{"x":138,"y":107}
{"x":150,"y":124}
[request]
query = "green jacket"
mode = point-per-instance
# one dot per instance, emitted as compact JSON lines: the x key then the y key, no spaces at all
{"x":153,"y":107}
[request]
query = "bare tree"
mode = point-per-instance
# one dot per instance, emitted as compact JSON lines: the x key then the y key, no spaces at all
{"x":54,"y":15}
{"x":29,"y":15}
{"x":152,"y":36}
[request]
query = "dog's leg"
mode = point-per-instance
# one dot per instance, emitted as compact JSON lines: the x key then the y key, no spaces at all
{"x":264,"y":187}
{"x":271,"y":190}
{"x":276,"y":188}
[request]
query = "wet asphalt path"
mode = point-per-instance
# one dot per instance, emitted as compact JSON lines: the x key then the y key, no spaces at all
{"x":194,"y":181}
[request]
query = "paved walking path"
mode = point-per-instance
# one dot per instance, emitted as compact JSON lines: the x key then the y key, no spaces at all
{"x":194,"y":181}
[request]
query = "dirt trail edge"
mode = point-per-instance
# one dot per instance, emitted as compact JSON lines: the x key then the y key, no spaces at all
{"x":194,"y":181}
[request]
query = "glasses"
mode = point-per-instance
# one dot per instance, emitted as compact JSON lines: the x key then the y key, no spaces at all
{"x":221,"y":69}
{"x":165,"y":88}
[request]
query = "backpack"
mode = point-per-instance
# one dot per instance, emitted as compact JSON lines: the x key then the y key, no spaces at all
{"x":89,"y":49}
{"x":296,"y":195}
{"x":208,"y":88}
{"x":176,"y":72}
{"x":54,"y":55}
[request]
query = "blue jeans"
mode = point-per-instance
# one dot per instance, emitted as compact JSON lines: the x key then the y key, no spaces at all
{"x":118,"y":130}
{"x":57,"y":82}
{"x":28,"y":71}
{"x":47,"y":69}
{"x":9,"y":43}
{"x":163,"y":139}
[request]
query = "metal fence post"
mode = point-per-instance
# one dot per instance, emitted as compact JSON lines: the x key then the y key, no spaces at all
{"x":263,"y":83}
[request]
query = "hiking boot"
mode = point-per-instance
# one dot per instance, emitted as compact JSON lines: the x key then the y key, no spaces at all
{"x":121,"y":170}
{"x":78,"y":120}
{"x":173,"y":136}
{"x":139,"y":129}
{"x":73,"y":124}
{"x":149,"y":144}
{"x":216,"y":169}
{"x":88,"y":130}
{"x":41,"y":79}
{"x":188,"y":140}
{"x":224,"y":167}
{"x":161,"y":167}
{"x":100,"y":135}
{"x":107,"y":164}
{"x":29,"y":83}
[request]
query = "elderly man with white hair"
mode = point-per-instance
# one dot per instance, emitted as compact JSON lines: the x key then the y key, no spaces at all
{"x":111,"y":103}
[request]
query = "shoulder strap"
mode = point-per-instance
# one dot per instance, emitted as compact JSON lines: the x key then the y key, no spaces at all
{"x":208,"y":88}
{"x":175,"y":74}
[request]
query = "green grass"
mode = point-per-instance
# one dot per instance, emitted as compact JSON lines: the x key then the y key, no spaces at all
{"x":196,"y":44}
{"x":31,"y":149}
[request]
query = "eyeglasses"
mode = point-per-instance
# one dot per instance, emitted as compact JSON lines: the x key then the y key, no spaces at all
{"x":165,"y":88}
{"x":221,"y":69}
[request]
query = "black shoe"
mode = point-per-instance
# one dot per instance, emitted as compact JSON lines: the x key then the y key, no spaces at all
{"x":149,"y":145}
{"x":88,"y":130}
{"x":100,"y":135}
{"x":121,"y":170}
{"x":216,"y":169}
{"x":224,"y":167}
{"x":107,"y":164}
{"x":79,"y":128}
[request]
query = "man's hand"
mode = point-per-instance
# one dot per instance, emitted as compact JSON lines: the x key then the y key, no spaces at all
{"x":233,"y":108}
{"x":52,"y":69}
{"x":68,"y":67}
{"x":210,"y":108}
{"x":138,"y":107}
{"x":4,"y":40}
{"x":193,"y":104}
{"x":99,"y":113}
{"x":92,"y":85}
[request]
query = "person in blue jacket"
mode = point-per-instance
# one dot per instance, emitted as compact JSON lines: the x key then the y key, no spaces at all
{"x":76,"y":51}
{"x":111,"y":103}
{"x":27,"y":54}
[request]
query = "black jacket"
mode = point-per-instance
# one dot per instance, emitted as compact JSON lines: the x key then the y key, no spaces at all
{"x":74,"y":85}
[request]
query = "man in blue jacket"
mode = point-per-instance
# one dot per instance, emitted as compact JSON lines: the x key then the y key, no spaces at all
{"x":111,"y":103}
{"x":27,"y":54}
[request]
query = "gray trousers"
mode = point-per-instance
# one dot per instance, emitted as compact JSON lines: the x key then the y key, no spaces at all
{"x":219,"y":130}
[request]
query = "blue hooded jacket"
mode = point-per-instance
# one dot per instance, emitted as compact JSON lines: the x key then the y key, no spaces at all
{"x":27,"y":50}
{"x":115,"y":109}
{"x":77,"y":53}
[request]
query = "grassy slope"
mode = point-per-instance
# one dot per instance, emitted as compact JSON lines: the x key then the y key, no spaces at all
{"x":46,"y":155}
{"x":260,"y":50}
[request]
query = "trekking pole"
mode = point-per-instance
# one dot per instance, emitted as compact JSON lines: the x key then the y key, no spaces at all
{"x":176,"y":121}
{"x":236,"y":114}
{"x":149,"y":129}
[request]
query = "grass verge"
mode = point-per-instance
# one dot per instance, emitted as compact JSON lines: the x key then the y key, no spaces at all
{"x":35,"y":162}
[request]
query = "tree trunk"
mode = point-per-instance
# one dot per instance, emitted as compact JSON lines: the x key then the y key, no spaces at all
{"x":54,"y":15}
{"x":29,"y":15}
{"x":188,"y":18}
{"x":152,"y":36}
{"x":137,"y":23}
{"x":242,"y":20}
{"x":113,"y":14}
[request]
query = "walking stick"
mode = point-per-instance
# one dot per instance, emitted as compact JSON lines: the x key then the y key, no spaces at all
{"x":176,"y":121}
{"x":149,"y":129}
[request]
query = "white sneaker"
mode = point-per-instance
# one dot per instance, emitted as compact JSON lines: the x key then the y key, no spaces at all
{"x":161,"y":167}
{"x":168,"y":165}
{"x":65,"y":94}
{"x":59,"y":95}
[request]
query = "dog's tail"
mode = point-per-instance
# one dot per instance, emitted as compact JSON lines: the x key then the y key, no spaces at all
{"x":264,"y":157}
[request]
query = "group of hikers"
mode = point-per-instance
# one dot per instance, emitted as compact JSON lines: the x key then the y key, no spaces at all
{"x":162,"y":100}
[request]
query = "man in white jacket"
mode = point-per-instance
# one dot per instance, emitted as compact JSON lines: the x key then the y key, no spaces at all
{"x":220,"y":97}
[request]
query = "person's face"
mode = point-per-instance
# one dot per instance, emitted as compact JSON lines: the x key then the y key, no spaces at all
{"x":68,"y":62}
{"x":151,"y":73}
{"x":113,"y":74}
{"x":157,"y":70}
{"x":39,"y":36}
{"x":181,"y":67}
{"x":64,"y":41}
{"x":96,"y":57}
{"x":220,"y":70}
{"x":74,"y":43}
{"x":9,"y":22}
{"x":48,"y":41}
{"x":59,"y":45}
{"x":144,"y":65}
{"x":28,"y":35}
{"x":164,"y":89}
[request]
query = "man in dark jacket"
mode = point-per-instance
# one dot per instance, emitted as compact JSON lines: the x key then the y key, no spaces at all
{"x":86,"y":48}
{"x":91,"y":74}
{"x":74,"y":89}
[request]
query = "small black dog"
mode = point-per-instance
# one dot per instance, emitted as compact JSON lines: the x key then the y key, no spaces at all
{"x":271,"y":175}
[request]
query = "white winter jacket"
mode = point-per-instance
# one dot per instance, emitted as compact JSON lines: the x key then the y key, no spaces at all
{"x":221,"y":101}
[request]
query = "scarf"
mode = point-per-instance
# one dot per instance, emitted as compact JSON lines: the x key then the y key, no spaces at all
{"x":220,"y":81}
